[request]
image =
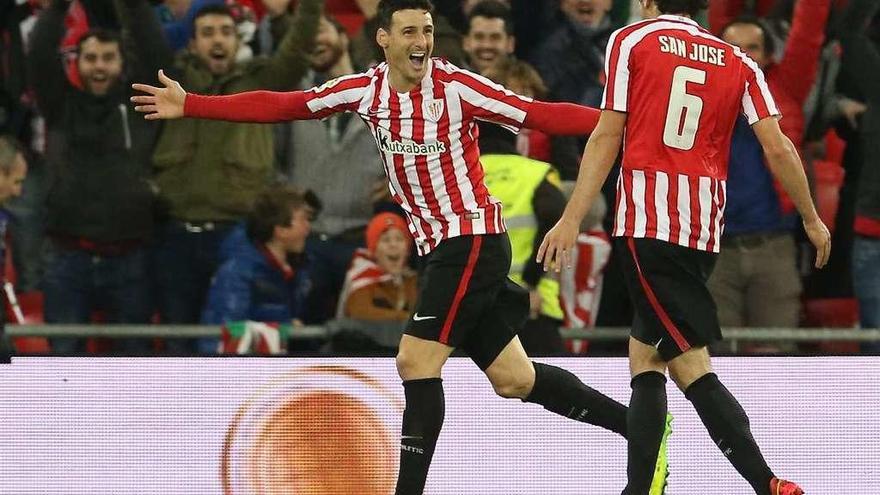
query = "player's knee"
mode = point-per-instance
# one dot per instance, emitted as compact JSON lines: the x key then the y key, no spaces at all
{"x":512,"y":387}
{"x":411,"y":366}
{"x":406,"y":365}
{"x":689,"y":367}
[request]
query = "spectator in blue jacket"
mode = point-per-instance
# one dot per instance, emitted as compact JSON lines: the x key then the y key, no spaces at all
{"x":263,"y":275}
{"x":13,"y":170}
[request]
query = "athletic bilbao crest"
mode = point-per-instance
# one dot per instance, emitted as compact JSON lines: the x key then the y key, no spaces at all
{"x":434,"y":110}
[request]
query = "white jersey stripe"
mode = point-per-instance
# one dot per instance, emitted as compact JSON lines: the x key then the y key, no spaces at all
{"x":684,"y":210}
{"x":435,"y":166}
{"x":661,"y":192}
{"x":456,"y":133}
{"x":749,"y":105}
{"x":620,"y":220}
{"x":334,"y":100}
{"x":639,"y":200}
{"x":705,"y":212}
{"x":477,"y":99}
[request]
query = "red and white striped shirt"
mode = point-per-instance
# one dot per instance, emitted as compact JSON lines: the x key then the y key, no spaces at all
{"x":428,"y":142}
{"x":580,"y":285}
{"x":427,"y":137}
{"x":682,"y":90}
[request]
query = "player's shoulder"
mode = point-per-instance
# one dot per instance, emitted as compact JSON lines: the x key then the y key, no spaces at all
{"x":619,"y":34}
{"x":447,"y":72}
{"x":347,"y":82}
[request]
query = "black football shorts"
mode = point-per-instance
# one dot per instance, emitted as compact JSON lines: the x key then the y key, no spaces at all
{"x":674,"y":310}
{"x":466,"y":300}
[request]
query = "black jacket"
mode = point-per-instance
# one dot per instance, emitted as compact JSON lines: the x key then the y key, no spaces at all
{"x":861,"y":60}
{"x":98,"y":149}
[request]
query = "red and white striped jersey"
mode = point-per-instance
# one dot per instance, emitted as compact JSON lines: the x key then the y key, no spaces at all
{"x":682,"y":90}
{"x":428,"y":142}
{"x":580,"y":285}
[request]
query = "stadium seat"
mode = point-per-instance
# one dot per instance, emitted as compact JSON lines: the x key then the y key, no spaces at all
{"x":828,"y":181}
{"x":833,"y":313}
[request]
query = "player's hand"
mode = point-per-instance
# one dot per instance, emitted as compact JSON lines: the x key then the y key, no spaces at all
{"x":852,"y":110}
{"x":821,"y":239}
{"x":160,"y":103}
{"x":555,"y":250}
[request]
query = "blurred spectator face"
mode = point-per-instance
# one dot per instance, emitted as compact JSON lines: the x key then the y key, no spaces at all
{"x":487,"y":43}
{"x":392,"y":251}
{"x":99,"y":64}
{"x":293,"y":236}
{"x":330,"y":45}
{"x":215,"y":42}
{"x":12,"y":179}
{"x":750,"y":39}
{"x":408,"y":43}
{"x":586,"y":12}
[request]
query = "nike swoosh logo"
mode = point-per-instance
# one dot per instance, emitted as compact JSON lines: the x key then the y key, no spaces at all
{"x":410,"y":437}
{"x":416,"y":317}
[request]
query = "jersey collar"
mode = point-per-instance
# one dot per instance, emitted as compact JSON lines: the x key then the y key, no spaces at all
{"x":688,"y":20}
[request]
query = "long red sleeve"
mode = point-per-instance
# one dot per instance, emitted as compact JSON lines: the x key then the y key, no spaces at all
{"x":561,"y":118}
{"x":796,"y":71}
{"x":251,"y":106}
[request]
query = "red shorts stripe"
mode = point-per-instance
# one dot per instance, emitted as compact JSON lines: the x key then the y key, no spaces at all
{"x":652,"y":299}
{"x":462,"y":288}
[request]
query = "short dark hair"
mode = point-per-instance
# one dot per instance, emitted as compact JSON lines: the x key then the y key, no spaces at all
{"x":274,"y":208}
{"x":387,"y":8}
{"x":514,"y":69}
{"x":750,"y":20}
{"x":102,"y":35}
{"x":492,"y":9}
{"x":689,"y":7}
{"x":212,"y":9}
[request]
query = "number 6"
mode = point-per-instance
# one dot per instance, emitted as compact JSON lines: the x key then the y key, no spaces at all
{"x":676,"y":135}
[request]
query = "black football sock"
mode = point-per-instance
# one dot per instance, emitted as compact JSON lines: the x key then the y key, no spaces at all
{"x":422,"y":421}
{"x":646,"y":420}
{"x":728,"y":426}
{"x":561,"y":392}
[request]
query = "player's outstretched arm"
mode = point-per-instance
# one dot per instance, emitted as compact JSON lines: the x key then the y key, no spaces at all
{"x":785,"y":165}
{"x":172,"y":102}
{"x":559,"y":118}
{"x":599,"y":157}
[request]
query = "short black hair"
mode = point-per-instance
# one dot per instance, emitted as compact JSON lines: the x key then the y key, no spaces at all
{"x":274,"y":208}
{"x":689,"y":7}
{"x":750,"y":20}
{"x":212,"y":9}
{"x":387,"y":8}
{"x":492,"y":9}
{"x":100,"y":34}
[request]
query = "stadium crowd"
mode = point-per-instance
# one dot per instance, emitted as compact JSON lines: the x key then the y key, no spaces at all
{"x":116,"y":219}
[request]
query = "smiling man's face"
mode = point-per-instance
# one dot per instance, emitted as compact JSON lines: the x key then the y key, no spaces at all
{"x":99,"y":64}
{"x":215,"y":42}
{"x":408,"y":43}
